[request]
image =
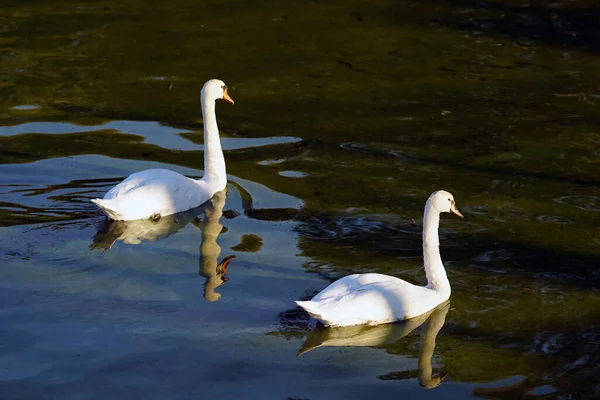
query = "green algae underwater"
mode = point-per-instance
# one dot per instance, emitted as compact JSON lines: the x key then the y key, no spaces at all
{"x":347,"y":116}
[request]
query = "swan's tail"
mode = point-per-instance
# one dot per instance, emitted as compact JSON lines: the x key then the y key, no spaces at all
{"x":110,"y":213}
{"x":312,"y":308}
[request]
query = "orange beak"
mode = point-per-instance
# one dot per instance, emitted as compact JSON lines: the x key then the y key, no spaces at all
{"x":455,"y":210}
{"x":226,"y":97}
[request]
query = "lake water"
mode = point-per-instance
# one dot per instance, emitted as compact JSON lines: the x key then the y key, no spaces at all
{"x":347,"y":116}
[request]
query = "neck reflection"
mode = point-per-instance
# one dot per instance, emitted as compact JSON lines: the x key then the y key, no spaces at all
{"x":136,"y":232}
{"x":385,"y":335}
{"x":213,"y":271}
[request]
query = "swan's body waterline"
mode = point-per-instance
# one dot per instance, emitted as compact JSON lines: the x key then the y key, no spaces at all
{"x":374,"y":299}
{"x":154,"y":193}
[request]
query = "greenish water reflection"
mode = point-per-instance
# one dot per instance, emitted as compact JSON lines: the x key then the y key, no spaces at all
{"x":347,"y":117}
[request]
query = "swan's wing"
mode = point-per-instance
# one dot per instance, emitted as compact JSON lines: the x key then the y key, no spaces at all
{"x":164,"y":195}
{"x":350,"y":283}
{"x":367,"y":305}
{"x":138,"y":179}
{"x":382,"y":299}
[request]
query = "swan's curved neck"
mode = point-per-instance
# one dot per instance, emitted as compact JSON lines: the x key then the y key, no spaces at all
{"x":434,"y":269}
{"x":214,"y":162}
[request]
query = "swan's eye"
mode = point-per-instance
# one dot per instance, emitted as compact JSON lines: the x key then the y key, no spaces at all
{"x":224,"y":87}
{"x":450,"y":200}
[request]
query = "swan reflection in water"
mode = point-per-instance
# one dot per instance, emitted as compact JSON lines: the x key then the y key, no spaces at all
{"x":135,"y":232}
{"x":386,"y":334}
{"x":210,"y":269}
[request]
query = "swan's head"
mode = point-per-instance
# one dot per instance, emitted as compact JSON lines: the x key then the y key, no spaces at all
{"x":443,"y":201}
{"x":215,"y":89}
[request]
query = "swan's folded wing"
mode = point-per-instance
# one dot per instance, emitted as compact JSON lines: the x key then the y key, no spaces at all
{"x":350,"y":283}
{"x":138,"y":179}
{"x":163,"y":196}
{"x":373,"y":303}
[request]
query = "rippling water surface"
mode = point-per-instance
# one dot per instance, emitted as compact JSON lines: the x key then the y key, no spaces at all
{"x":347,"y":117}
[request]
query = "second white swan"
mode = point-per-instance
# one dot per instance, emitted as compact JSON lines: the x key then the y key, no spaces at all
{"x":154,"y":193}
{"x":374,"y":299}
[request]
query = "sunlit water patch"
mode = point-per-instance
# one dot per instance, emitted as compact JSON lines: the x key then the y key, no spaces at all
{"x":26,"y":107}
{"x":271,"y":162}
{"x":154,"y":133}
{"x":293,"y":174}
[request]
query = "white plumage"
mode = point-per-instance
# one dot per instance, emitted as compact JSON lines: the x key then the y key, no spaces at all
{"x":154,"y":193}
{"x":374,"y":299}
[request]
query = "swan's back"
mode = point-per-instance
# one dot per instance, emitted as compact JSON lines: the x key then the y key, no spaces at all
{"x":157,"y":192}
{"x":369,"y":299}
{"x":138,"y":179}
{"x":349,"y":284}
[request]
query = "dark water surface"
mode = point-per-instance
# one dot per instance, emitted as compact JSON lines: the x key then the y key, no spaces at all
{"x":347,"y":116}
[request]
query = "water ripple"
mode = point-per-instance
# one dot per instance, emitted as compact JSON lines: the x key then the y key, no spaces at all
{"x":553,"y":219}
{"x":511,"y":212}
{"x":587,"y":203}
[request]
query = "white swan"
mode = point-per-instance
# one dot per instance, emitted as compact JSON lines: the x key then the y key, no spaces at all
{"x":154,"y":193}
{"x":374,"y":299}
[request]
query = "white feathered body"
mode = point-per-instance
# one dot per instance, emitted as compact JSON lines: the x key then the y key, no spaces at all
{"x":155,"y":192}
{"x":371,"y":299}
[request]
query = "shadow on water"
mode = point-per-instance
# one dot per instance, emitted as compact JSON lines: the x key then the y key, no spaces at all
{"x":378,"y":241}
{"x":565,"y":24}
{"x":499,"y":170}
